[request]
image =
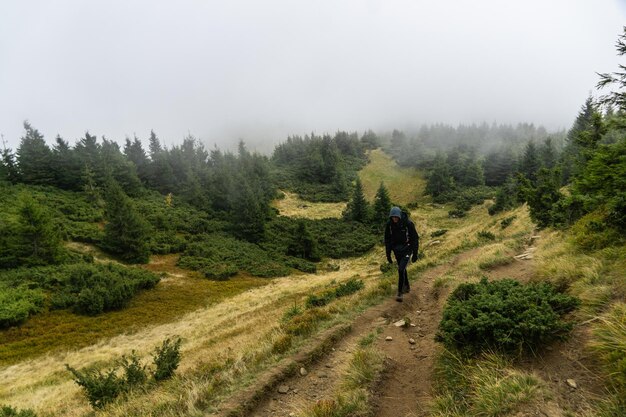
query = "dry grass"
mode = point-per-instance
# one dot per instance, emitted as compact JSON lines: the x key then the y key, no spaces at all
{"x":292,"y":206}
{"x":236,"y":330}
{"x":405,"y":185}
{"x":489,"y":386}
{"x":180,"y":292}
{"x":230,"y":328}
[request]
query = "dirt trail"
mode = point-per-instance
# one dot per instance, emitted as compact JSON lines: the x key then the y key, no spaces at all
{"x":405,"y":387}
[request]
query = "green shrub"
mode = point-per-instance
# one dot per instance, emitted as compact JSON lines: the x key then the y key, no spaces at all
{"x":483,"y":234}
{"x":220,"y":271}
{"x":291,"y":313}
{"x":17,"y":304}
{"x":593,"y":232}
{"x":86,"y":288}
{"x":220,"y":256}
{"x":320,"y":300}
{"x":386,"y":267}
{"x":439,"y":232}
{"x":457,"y":213}
{"x":8,"y":411}
{"x":349,"y":287}
{"x":335,"y":238}
{"x":166,"y":359}
{"x":100,"y":388}
{"x":503,"y":316}
{"x":305,"y":323}
{"x":506,"y":222}
{"x":134,"y":371}
{"x":93,"y":289}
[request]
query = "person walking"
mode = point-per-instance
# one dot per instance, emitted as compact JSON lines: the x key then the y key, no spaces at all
{"x":401,"y":238}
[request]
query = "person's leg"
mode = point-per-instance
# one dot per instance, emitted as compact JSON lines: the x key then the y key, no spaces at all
{"x":402,"y":264}
{"x":406,"y":288}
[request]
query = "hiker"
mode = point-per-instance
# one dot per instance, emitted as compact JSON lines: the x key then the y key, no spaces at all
{"x":401,"y":238}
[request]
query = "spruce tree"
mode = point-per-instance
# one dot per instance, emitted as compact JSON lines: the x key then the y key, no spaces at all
{"x":38,"y":235}
{"x":530,"y":163}
{"x":358,"y":208}
{"x":440,"y":179}
{"x":248,"y":212}
{"x":302,"y":244}
{"x":382,"y":205}
{"x":11,"y":171}
{"x":126,"y":233}
{"x":548,"y":154}
{"x":617,"y":79}
{"x":65,"y":167}
{"x":543,"y":197}
{"x":473,"y":174}
{"x":34,"y":158}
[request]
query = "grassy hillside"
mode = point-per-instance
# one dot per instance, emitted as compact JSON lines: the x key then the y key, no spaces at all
{"x":232,"y":332}
{"x":406,"y":185}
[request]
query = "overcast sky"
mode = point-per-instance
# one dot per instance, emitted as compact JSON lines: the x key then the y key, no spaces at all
{"x":260,"y":70}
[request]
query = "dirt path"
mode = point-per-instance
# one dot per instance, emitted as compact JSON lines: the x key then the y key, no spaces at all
{"x":405,"y":387}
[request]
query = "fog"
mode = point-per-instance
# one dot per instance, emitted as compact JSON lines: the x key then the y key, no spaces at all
{"x":261,"y":70}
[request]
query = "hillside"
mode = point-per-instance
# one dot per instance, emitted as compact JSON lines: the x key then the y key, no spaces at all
{"x":236,"y":336}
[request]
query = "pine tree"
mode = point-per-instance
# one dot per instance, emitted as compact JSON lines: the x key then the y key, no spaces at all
{"x":248,"y":213}
{"x":303,"y":245}
{"x":358,"y":208}
{"x":548,"y":154}
{"x":134,"y":153}
{"x":473,"y":175}
{"x":65,"y":166}
{"x":34,"y":158}
{"x":498,"y":166}
{"x":617,"y":98}
{"x":530,"y":163}
{"x":382,"y":205}
{"x":11,"y":171}
{"x":126,"y":234}
{"x":440,"y":179}
{"x":39,"y":236}
{"x":543,"y":197}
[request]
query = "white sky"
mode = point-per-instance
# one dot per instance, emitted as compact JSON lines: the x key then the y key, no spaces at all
{"x":260,"y":70}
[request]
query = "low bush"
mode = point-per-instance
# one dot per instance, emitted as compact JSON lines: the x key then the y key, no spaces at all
{"x":93,"y":289}
{"x":100,"y":388}
{"x":87,"y":288}
{"x":342,"y":290}
{"x":593,"y":232}
{"x":320,"y":300}
{"x":103,"y":387}
{"x":503,"y":316}
{"x":483,"y":234}
{"x":335,"y":238}
{"x":456,"y":213}
{"x":17,"y":304}
{"x":8,"y":411}
{"x":349,"y":287}
{"x":506,"y":222}
{"x":439,"y":232}
{"x":135,"y":373}
{"x":166,"y":358}
{"x":305,"y":323}
{"x":221,"y":256}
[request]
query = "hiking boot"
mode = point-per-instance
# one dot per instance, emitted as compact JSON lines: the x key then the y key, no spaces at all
{"x":399,"y":297}
{"x":406,"y":289}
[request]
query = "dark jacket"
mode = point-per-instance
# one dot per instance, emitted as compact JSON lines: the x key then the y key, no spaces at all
{"x":401,"y":237}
